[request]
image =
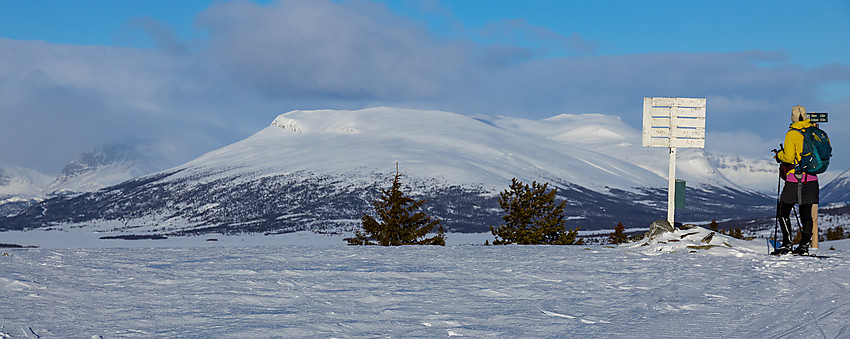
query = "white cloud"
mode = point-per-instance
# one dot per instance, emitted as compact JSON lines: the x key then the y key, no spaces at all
{"x":262,"y":60}
{"x":329,"y":49}
{"x":743,"y":142}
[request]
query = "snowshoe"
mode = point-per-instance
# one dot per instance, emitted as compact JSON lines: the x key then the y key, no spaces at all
{"x":781,"y":251}
{"x":802,"y":249}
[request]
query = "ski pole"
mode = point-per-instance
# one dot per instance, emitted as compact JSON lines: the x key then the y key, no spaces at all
{"x":776,"y":218}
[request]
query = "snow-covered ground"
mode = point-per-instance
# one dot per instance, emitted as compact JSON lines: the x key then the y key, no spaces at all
{"x":305,"y":285}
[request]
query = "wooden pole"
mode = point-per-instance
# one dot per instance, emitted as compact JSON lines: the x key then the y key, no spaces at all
{"x":671,"y":187}
{"x":815,"y":226}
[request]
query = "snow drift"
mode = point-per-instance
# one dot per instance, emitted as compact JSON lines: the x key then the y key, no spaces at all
{"x":661,"y":290}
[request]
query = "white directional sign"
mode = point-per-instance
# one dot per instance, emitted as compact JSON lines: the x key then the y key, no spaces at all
{"x":673,"y":123}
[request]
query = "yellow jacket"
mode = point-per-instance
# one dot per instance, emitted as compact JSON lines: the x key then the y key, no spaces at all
{"x":793,"y":146}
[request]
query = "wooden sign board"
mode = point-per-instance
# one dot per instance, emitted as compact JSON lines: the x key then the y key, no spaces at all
{"x":673,"y":122}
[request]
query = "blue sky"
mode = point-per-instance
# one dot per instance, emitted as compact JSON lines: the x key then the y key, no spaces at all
{"x":812,"y":33}
{"x":187,"y":77}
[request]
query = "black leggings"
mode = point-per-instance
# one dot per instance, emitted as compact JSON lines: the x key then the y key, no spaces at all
{"x":806,"y":220}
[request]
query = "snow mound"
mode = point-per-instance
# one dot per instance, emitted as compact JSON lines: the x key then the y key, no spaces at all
{"x":695,"y":239}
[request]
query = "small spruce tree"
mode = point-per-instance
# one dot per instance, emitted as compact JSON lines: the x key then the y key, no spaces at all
{"x":714,"y":226}
{"x":835,"y":233}
{"x":399,"y":223}
{"x":533,"y":217}
{"x":736,"y":233}
{"x":619,"y":236}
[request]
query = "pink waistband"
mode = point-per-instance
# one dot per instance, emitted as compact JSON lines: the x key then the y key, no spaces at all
{"x":806,"y":178}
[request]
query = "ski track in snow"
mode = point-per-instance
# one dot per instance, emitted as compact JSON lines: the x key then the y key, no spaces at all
{"x":419,"y":291}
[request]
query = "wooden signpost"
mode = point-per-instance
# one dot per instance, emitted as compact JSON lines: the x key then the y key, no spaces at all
{"x":673,"y":123}
{"x":816,"y":118}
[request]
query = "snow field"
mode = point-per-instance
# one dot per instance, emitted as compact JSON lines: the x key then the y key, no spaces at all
{"x":658,"y":290}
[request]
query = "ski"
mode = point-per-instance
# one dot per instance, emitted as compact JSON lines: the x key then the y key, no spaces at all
{"x":802,"y":255}
{"x":773,"y":244}
{"x":812,"y":255}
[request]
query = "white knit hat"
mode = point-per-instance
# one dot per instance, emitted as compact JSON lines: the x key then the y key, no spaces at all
{"x":798,"y":113}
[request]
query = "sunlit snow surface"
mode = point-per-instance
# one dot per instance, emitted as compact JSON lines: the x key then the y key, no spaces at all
{"x":329,"y":290}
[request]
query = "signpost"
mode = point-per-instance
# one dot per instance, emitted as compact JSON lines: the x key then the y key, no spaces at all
{"x":816,"y":118}
{"x":673,"y":123}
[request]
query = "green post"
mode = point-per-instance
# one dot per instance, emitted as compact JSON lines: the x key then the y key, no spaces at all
{"x":680,"y":194}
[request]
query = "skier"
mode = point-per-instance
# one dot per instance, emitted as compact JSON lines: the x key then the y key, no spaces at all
{"x":800,"y":188}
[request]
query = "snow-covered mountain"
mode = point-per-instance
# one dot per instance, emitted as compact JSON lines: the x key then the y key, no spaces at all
{"x":20,"y":188}
{"x":760,"y":175}
{"x":837,"y":190}
{"x":106,"y":165}
{"x":21,"y":181}
{"x":318,"y":170}
{"x":100,"y":167}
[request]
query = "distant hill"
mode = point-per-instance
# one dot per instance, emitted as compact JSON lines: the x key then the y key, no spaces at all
{"x":837,"y":190}
{"x":318,"y":170}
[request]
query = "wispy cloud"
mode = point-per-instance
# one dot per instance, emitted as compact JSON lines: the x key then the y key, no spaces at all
{"x":326,"y":49}
{"x":262,"y":60}
{"x":519,"y":30}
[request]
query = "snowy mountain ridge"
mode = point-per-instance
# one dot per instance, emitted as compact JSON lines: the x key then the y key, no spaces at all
{"x":760,"y":175}
{"x":496,"y":149}
{"x":16,"y":181}
{"x":837,"y":190}
{"x":318,"y":170}
{"x":100,"y":167}
{"x":424,"y":143}
{"x":20,"y":188}
{"x":91,"y":170}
